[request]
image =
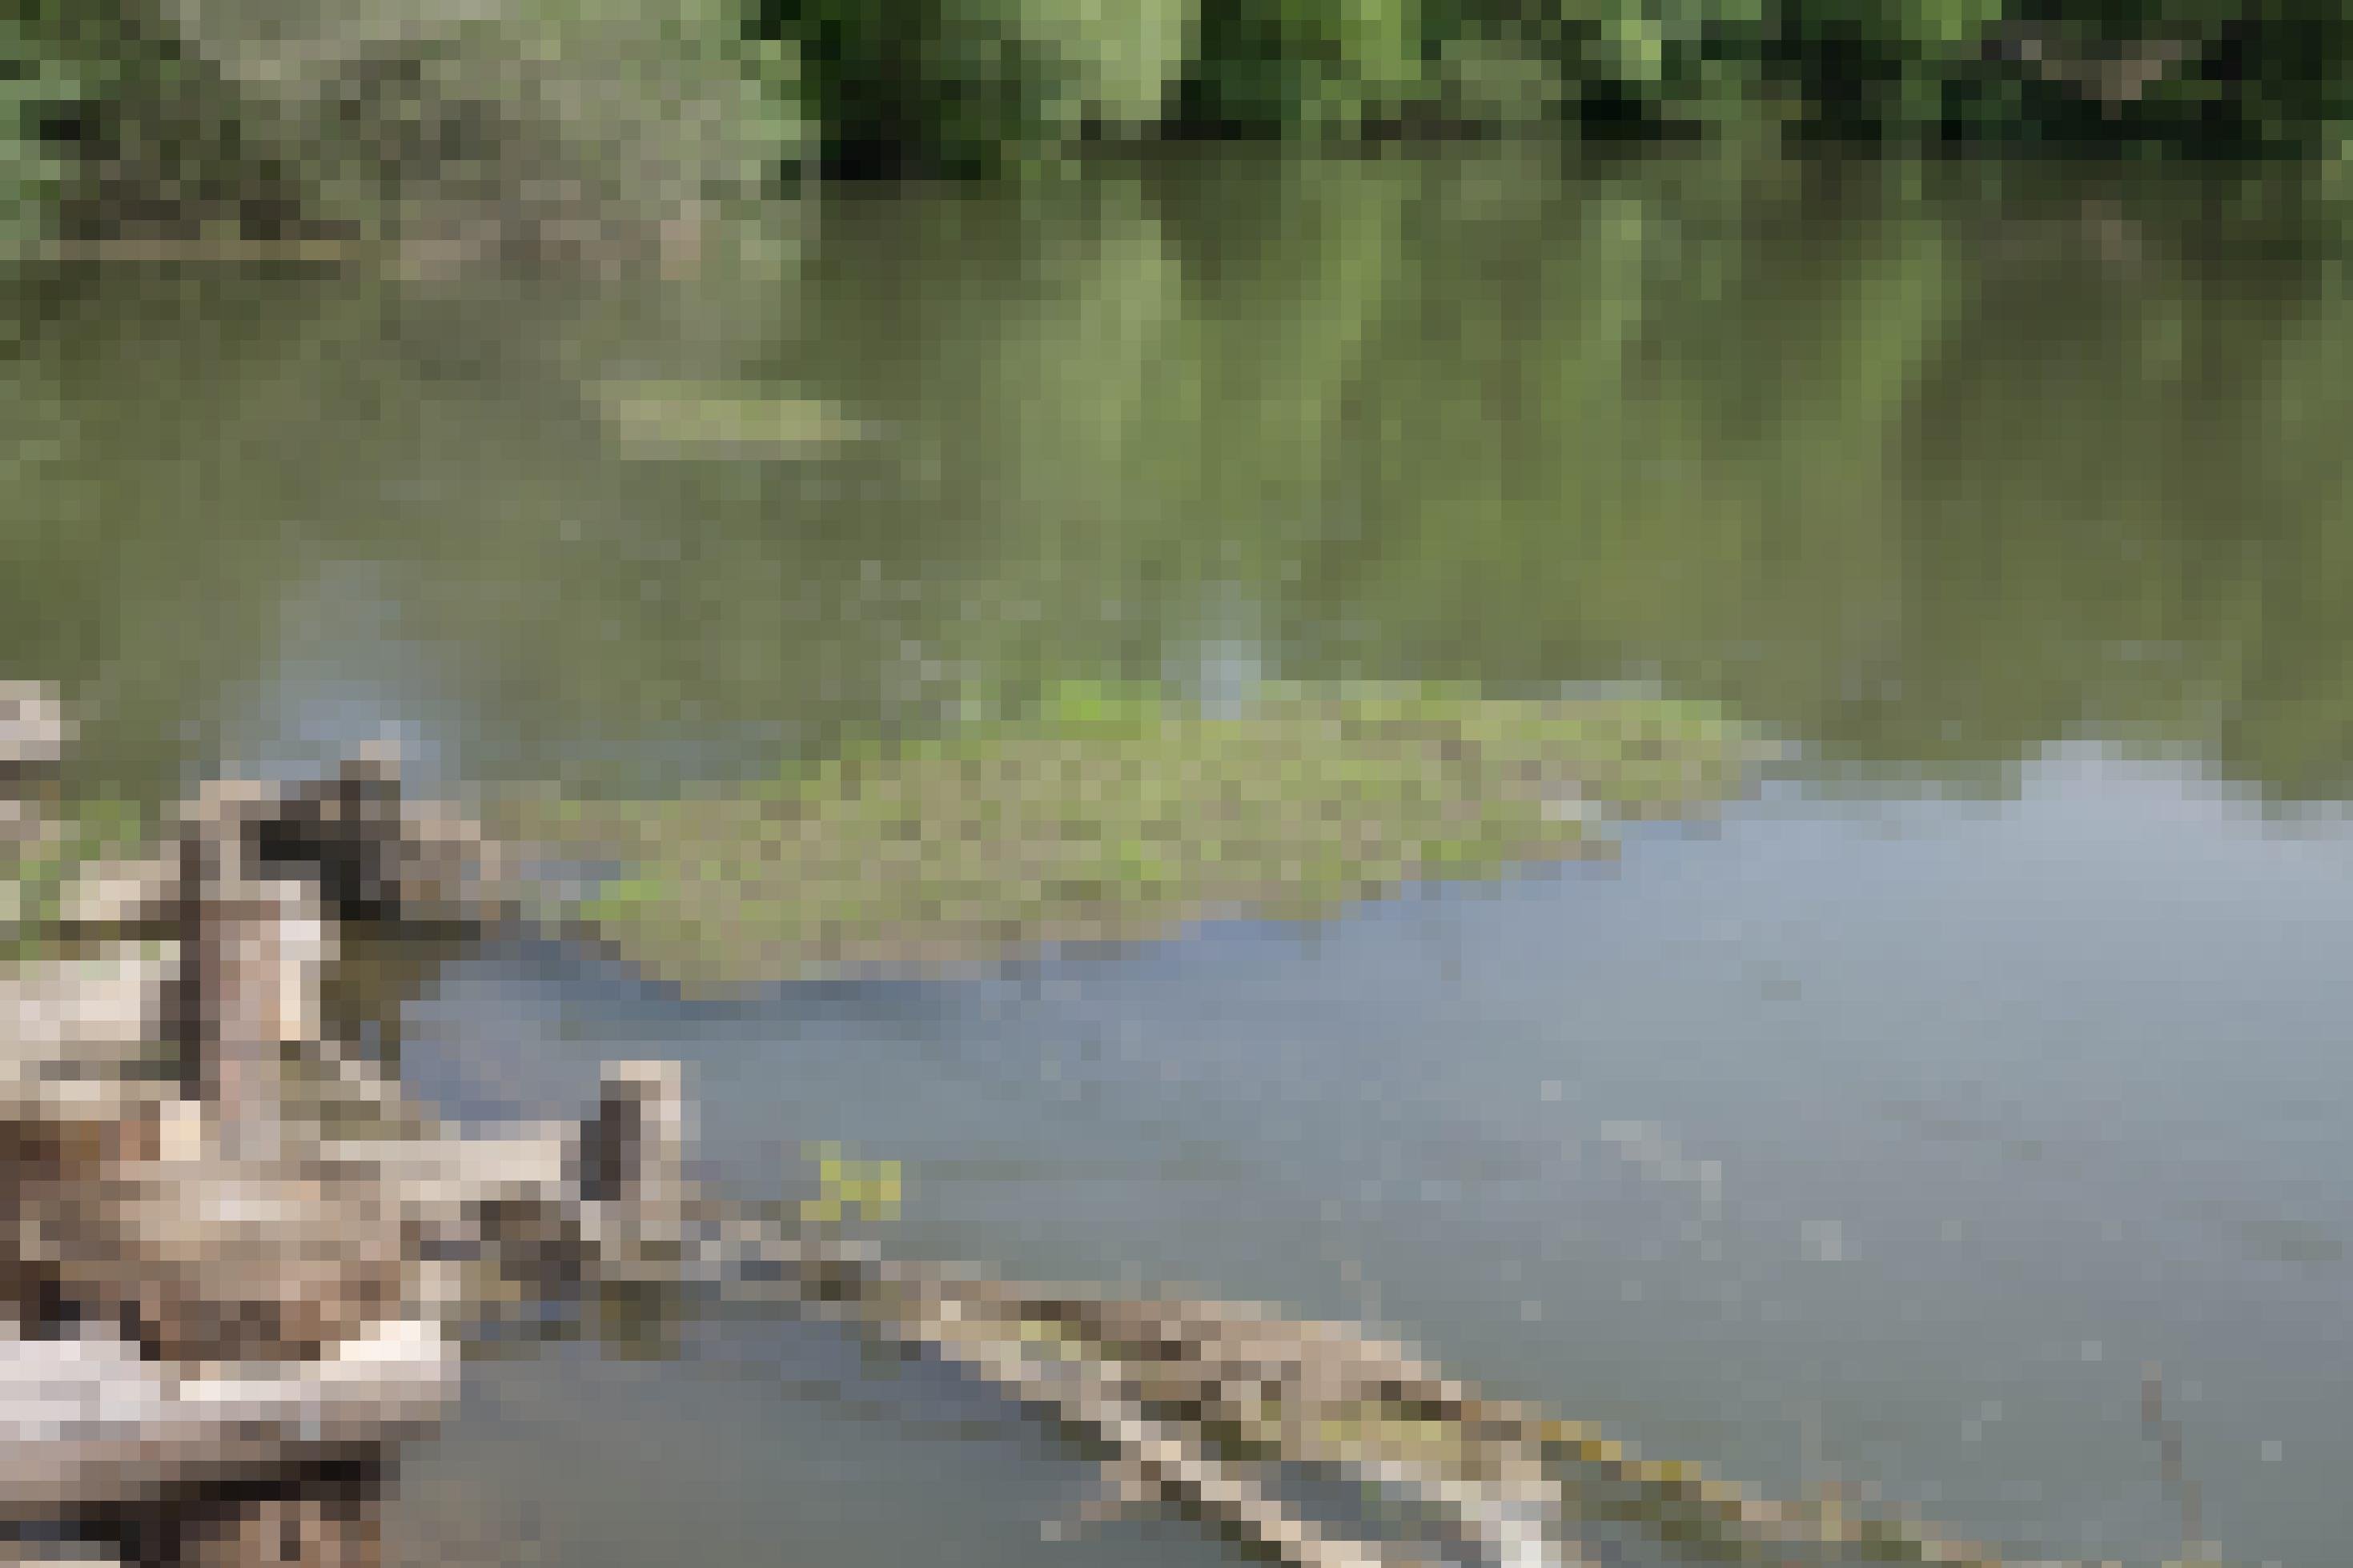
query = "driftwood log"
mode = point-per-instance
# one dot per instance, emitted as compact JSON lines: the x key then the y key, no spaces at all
{"x":161,"y":1264}
{"x":219,"y":1338}
{"x":1157,"y":1381}
{"x":90,"y":1426}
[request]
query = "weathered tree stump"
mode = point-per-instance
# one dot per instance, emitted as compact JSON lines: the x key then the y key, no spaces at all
{"x":252,"y":957}
{"x":633,"y":1149}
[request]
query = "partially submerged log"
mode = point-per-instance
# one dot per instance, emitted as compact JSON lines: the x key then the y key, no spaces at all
{"x":85,"y":1423}
{"x":1512,"y":1484}
{"x":314,"y":1276}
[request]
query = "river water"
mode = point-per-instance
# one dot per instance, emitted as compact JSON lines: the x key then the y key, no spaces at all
{"x":1885,"y":1130}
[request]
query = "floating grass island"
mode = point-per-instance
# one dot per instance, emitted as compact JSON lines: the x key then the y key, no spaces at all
{"x":683,"y":419}
{"x":1105,"y":813}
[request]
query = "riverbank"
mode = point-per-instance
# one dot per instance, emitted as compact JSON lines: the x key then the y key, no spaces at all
{"x":567,"y":136}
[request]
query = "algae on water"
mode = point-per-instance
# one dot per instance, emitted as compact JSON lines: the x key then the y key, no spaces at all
{"x":1110,"y":814}
{"x":686,"y":419}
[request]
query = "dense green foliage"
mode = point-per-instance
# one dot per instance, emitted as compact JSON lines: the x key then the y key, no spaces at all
{"x":968,"y":81}
{"x":271,"y":115}
{"x":37,"y":85}
{"x":330,"y":113}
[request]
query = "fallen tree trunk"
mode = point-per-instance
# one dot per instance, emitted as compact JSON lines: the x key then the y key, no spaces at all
{"x":86,"y":1425}
{"x":1515,"y":1484}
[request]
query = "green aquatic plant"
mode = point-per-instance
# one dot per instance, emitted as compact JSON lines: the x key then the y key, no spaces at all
{"x":863,"y":1189}
{"x":678,"y":418}
{"x":37,"y":83}
{"x":1093,"y":812}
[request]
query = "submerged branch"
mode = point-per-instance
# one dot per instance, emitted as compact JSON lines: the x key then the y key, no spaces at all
{"x":1192,"y":1394}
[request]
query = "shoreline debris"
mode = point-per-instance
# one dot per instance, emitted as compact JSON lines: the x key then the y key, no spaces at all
{"x":240,"y":1259}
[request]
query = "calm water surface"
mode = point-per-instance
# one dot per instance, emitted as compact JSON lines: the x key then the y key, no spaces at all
{"x":1885,"y":1130}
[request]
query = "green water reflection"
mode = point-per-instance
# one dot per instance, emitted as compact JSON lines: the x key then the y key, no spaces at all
{"x":1929,"y":469}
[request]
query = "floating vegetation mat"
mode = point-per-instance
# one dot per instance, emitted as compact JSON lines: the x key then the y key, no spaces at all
{"x":1117,"y":814}
{"x":685,"y":419}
